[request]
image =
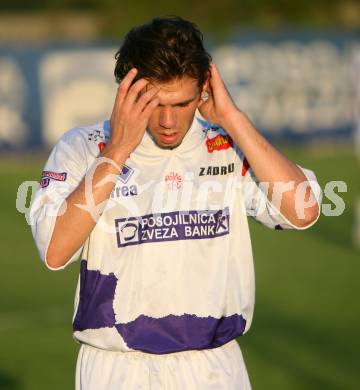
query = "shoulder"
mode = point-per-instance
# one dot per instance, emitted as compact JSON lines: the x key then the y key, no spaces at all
{"x":215,"y":137}
{"x":86,"y":139}
{"x":209,"y":129}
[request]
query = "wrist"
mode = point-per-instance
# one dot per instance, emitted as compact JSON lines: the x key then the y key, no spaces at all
{"x":117,"y":153}
{"x":233,"y":120}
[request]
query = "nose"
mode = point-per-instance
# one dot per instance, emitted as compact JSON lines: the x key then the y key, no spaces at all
{"x":167,"y":117}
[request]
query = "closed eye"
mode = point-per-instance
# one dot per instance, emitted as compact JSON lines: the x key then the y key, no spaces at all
{"x":185,"y":103}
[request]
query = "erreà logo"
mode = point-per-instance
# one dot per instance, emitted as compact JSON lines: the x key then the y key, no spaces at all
{"x":126,"y":173}
{"x":220,"y":142}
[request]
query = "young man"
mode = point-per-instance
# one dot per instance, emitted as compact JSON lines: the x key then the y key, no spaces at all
{"x":156,"y":202}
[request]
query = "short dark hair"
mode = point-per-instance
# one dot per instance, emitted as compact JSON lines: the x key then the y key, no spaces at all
{"x":162,"y":50}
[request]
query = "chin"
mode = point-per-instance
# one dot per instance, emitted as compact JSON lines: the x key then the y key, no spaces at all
{"x":164,"y":145}
{"x":168,"y":146}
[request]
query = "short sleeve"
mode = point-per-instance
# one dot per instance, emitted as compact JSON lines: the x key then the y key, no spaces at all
{"x":63,"y":171}
{"x":259,"y":207}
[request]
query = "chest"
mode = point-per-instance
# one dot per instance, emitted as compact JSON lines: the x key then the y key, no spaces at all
{"x":174,"y":182}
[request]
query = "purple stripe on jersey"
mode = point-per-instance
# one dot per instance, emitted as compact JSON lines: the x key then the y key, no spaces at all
{"x":154,"y":335}
{"x":179,"y":333}
{"x":97,"y":292}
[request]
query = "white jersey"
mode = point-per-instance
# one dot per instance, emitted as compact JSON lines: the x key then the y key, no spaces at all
{"x":168,"y":266}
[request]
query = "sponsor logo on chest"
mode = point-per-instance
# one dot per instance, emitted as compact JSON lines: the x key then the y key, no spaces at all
{"x":220,"y":142}
{"x":217,"y":170}
{"x":172,"y":226}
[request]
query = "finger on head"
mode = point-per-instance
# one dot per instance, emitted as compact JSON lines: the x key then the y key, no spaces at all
{"x":136,"y":89}
{"x":124,"y":87}
{"x":146,"y":97}
{"x":152,"y":90}
{"x":127,"y":80}
{"x":154,"y":102}
{"x":146,"y":88}
{"x":150,"y":107}
{"x":131,"y":73}
{"x":214,"y":70}
{"x":141,"y":84}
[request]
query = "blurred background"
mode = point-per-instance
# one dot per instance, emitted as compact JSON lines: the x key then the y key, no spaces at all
{"x":294,"y":68}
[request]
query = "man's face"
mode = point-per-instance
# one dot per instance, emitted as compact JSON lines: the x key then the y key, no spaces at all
{"x":173,"y":117}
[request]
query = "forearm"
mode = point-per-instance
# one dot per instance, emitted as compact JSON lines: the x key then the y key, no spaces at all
{"x":77,"y":217}
{"x":267,"y":162}
{"x":271,"y":167}
{"x":82,"y":208}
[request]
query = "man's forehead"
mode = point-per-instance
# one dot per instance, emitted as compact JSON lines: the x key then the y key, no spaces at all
{"x":175,"y":84}
{"x":185,"y":87}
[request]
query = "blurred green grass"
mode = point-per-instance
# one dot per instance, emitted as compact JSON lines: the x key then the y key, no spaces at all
{"x":307,"y":316}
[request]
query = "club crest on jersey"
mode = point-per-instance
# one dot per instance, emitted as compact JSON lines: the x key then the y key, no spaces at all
{"x":173,"y":181}
{"x":46,"y":176}
{"x":219,"y":142}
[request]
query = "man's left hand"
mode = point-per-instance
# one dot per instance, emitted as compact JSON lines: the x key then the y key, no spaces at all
{"x":219,"y":107}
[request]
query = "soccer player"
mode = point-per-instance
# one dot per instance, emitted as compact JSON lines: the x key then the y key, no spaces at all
{"x":155,"y":203}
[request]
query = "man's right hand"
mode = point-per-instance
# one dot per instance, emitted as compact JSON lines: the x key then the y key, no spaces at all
{"x":134,"y":104}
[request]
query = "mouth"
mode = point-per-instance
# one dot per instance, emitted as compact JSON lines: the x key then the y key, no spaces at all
{"x":169,"y":138}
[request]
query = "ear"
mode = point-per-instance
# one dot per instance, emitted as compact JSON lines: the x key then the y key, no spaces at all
{"x":205,"y":87}
{"x":204,"y":92}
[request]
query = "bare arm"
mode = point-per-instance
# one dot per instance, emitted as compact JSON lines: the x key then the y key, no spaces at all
{"x":129,"y":119}
{"x":268,"y":163}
